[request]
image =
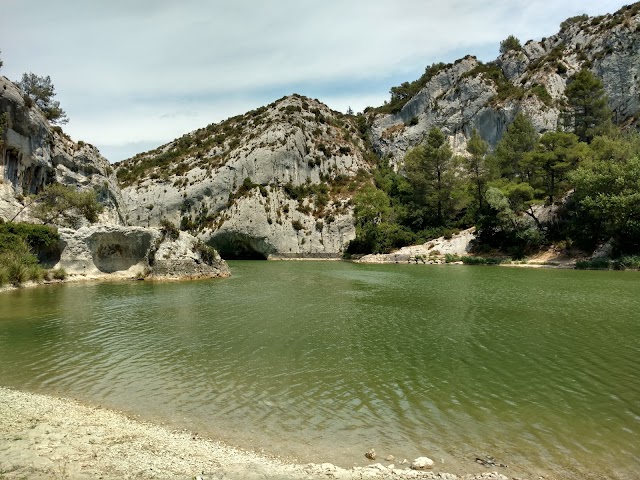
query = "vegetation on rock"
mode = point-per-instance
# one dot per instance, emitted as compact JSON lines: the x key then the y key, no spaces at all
{"x":62,"y":205}
{"x":510,"y":44}
{"x":39,"y":91}
{"x":19,"y":245}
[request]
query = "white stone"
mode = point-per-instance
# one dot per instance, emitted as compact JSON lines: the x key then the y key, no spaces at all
{"x":422,"y":463}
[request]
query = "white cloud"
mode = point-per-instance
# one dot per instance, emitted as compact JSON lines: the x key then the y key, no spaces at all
{"x":144,"y":72}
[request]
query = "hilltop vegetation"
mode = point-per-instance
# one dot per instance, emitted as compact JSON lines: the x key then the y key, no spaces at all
{"x":578,"y":186}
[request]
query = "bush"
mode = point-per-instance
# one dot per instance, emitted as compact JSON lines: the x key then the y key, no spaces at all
{"x":631,"y":262}
{"x":169,"y":230}
{"x":207,"y":253}
{"x":18,"y":264}
{"x":510,"y":44}
{"x":481,"y":260}
{"x":594,"y":264}
{"x":451,"y":258}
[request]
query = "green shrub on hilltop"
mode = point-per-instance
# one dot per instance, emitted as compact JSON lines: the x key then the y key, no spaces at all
{"x":510,"y":44}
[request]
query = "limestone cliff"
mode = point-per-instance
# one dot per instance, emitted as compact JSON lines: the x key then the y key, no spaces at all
{"x":100,"y":250}
{"x":468,"y":95}
{"x":276,"y":181}
{"x":34,"y":154}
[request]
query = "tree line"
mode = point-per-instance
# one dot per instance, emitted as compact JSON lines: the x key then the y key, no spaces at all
{"x":587,"y":172}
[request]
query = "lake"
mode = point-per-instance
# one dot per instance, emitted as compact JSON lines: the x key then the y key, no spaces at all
{"x":320,"y":361}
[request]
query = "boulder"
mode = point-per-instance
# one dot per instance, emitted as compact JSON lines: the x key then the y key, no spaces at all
{"x":102,"y":250}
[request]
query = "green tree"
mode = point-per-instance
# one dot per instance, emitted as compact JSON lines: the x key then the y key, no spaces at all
{"x":589,"y":114}
{"x":504,"y":227}
{"x":556,"y":154}
{"x":476,"y":165}
{"x":430,"y":169}
{"x":510,"y":44}
{"x":520,"y":138}
{"x":607,"y":204}
{"x":40,"y":91}
{"x":62,"y":205}
{"x":376,"y":229}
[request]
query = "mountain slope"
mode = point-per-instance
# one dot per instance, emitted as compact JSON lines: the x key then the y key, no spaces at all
{"x":468,"y":95}
{"x":275,"y":181}
{"x":279,"y":181}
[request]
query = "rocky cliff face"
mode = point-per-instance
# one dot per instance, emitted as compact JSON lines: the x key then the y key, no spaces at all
{"x":35,"y":154}
{"x":276,"y":181}
{"x":100,"y":250}
{"x":467,"y":95}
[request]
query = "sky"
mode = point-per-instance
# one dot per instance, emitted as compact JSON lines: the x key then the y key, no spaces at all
{"x":135,"y":74}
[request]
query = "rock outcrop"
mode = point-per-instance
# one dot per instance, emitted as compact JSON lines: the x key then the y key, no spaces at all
{"x":34,"y":154}
{"x":467,"y":95}
{"x":276,"y":181}
{"x":433,"y":251}
{"x":140,"y":252}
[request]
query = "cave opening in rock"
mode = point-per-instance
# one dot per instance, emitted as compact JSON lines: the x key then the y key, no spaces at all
{"x":240,"y":246}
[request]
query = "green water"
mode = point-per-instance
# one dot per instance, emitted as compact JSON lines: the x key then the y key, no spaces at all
{"x":320,"y":361}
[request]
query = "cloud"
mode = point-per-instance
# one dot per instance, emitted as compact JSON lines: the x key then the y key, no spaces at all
{"x":134,"y":73}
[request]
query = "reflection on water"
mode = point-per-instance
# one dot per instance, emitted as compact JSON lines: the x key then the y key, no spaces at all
{"x":322,"y":361}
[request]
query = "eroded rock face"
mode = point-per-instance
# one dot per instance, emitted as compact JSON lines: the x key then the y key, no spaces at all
{"x":461,"y":98}
{"x":134,"y":251}
{"x":296,"y":142}
{"x":35,"y":155}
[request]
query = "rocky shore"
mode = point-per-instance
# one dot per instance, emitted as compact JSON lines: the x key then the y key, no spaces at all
{"x":43,"y":437}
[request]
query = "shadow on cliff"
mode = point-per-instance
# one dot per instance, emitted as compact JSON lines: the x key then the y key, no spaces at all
{"x":240,"y":246}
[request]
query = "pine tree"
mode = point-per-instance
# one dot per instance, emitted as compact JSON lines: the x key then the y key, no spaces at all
{"x":589,"y":114}
{"x":40,"y":90}
{"x":520,"y":138}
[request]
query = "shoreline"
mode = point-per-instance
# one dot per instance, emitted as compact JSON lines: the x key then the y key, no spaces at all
{"x":44,"y":437}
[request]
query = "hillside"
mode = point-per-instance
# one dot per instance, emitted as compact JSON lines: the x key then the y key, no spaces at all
{"x":530,"y":78}
{"x":275,"y":181}
{"x":35,"y":154}
{"x":280,"y":180}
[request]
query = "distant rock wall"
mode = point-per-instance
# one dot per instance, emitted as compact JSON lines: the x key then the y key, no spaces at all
{"x":460,"y":98}
{"x":287,"y":145}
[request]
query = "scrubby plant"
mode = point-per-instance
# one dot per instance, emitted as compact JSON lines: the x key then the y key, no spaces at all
{"x":169,"y":230}
{"x":207,"y":253}
{"x":594,"y":264}
{"x":510,"y":44}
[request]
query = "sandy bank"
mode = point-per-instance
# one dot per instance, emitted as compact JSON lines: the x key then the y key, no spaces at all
{"x":43,"y":437}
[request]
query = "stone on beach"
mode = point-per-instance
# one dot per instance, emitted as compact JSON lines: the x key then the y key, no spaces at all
{"x":422,"y":463}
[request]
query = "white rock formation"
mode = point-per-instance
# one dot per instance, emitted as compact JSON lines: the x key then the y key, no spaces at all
{"x":432,"y":251}
{"x":101,"y":250}
{"x":295,"y":142}
{"x":422,"y":463}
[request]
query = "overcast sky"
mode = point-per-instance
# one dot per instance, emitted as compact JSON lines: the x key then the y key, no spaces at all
{"x":133,"y":74}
